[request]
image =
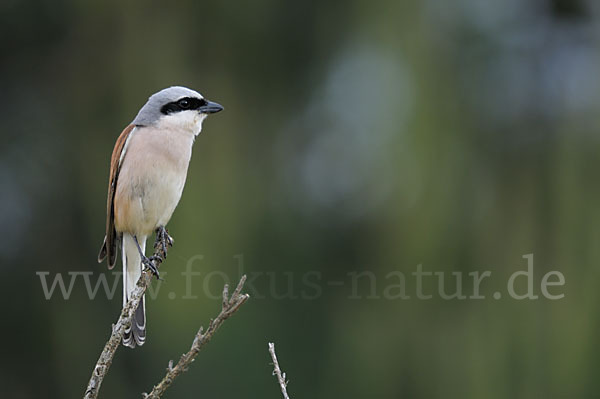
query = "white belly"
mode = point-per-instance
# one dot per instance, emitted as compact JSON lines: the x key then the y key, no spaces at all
{"x":151,"y":179}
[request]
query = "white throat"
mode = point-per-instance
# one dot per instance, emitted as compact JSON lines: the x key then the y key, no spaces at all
{"x":187,"y":121}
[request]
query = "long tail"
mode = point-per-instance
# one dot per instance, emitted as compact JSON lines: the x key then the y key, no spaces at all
{"x":132,"y":270}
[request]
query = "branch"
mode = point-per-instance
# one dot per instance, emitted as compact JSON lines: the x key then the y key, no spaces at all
{"x":277,"y":371}
{"x":105,"y":360}
{"x":229,"y":307}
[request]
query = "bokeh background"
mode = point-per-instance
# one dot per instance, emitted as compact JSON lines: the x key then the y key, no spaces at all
{"x":358,"y":136}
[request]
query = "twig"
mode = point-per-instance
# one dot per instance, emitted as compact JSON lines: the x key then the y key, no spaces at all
{"x":277,"y":371}
{"x":229,"y":307}
{"x":118,"y":330}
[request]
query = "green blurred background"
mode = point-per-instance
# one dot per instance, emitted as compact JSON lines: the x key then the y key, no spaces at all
{"x":357,"y":137}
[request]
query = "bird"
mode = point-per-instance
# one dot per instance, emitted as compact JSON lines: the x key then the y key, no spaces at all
{"x":148,"y":169}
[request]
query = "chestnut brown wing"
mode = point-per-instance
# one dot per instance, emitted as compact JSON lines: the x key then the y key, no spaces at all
{"x":110,"y":245}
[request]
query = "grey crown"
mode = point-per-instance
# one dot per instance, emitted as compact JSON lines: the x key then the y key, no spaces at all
{"x":150,"y":112}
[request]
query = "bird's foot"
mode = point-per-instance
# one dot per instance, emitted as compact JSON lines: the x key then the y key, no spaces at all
{"x":149,"y":263}
{"x":163,"y":239}
{"x":152,"y":262}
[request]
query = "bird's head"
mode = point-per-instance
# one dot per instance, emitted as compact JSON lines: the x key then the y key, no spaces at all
{"x":176,"y":107}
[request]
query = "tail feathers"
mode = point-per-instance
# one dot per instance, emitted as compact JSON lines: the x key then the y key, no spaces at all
{"x":136,"y":333}
{"x":132,"y":270}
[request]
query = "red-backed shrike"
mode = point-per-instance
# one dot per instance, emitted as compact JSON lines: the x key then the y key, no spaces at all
{"x":148,"y":168}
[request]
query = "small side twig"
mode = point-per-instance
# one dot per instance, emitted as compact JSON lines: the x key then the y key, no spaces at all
{"x":118,"y":330}
{"x":277,"y":371}
{"x":229,"y":307}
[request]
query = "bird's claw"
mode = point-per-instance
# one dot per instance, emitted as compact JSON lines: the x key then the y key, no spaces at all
{"x":149,"y":263}
{"x":163,"y":239}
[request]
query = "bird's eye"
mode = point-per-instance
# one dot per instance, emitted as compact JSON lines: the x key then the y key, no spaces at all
{"x":184,"y":104}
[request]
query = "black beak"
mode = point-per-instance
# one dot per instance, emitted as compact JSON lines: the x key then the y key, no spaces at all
{"x":210,"y":108}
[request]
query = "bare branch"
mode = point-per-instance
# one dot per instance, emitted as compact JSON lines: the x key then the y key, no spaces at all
{"x":277,"y":371}
{"x":105,"y":360}
{"x":229,"y":307}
